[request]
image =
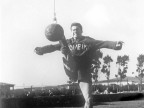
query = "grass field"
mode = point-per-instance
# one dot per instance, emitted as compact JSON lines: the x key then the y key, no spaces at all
{"x":124,"y":100}
{"x":122,"y":104}
{"x":119,"y":104}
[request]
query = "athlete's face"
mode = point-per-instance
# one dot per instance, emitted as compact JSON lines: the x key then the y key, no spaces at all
{"x":76,"y":31}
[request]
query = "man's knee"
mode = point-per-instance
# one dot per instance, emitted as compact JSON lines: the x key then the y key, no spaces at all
{"x":88,"y":100}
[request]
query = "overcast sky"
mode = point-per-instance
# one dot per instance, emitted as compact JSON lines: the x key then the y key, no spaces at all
{"x":23,"y":23}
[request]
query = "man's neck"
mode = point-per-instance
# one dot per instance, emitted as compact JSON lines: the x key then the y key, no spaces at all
{"x":78,"y":37}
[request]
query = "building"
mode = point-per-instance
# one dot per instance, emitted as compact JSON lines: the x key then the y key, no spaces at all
{"x":5,"y":89}
{"x":125,"y":81}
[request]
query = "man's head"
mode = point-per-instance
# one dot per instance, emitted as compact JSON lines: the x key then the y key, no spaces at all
{"x":76,"y":29}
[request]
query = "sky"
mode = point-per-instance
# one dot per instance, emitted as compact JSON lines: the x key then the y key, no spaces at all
{"x":22,"y":26}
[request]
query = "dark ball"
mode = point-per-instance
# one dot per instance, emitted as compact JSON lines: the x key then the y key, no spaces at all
{"x":54,"y":32}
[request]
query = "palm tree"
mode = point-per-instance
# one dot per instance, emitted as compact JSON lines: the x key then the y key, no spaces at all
{"x":106,"y":67}
{"x":96,"y":65}
{"x":140,"y":69}
{"x":122,"y":62}
{"x":117,"y":81}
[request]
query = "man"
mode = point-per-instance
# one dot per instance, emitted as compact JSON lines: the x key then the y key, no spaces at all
{"x":82,"y":49}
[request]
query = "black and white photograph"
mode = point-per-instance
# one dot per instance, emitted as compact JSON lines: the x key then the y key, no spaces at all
{"x":71,"y":54}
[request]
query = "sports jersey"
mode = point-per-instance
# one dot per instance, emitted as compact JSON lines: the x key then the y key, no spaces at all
{"x":82,"y":50}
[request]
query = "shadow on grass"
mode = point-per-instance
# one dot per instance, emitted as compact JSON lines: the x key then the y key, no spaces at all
{"x":133,"y":97}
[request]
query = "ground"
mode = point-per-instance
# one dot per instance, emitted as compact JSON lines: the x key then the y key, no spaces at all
{"x":122,"y":104}
{"x":119,"y":104}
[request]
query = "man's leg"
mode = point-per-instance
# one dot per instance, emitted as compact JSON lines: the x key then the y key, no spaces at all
{"x":86,"y":91}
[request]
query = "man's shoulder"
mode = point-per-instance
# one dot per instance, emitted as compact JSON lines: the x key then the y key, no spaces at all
{"x":82,"y":38}
{"x":69,"y":40}
{"x":88,"y":38}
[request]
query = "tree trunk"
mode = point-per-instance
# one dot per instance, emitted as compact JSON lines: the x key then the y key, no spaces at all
{"x":140,"y":84}
{"x":127,"y":86}
{"x":117,"y":87}
{"x":120,"y":84}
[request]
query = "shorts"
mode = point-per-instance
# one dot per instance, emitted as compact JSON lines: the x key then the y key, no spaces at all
{"x":79,"y":70}
{"x":84,"y":76}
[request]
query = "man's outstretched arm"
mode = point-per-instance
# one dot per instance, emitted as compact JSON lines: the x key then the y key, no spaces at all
{"x":116,"y":45}
{"x":47,"y":49}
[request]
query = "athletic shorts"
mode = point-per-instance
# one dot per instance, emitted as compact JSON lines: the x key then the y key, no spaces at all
{"x":79,"y":71}
{"x":84,"y":70}
{"x":84,"y":75}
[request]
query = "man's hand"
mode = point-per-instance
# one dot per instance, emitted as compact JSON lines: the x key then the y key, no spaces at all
{"x":38,"y":51}
{"x":119,"y":45}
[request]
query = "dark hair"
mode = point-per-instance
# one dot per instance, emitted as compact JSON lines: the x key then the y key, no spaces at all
{"x":76,"y":24}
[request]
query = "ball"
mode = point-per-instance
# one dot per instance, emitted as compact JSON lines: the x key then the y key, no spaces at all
{"x":54,"y":32}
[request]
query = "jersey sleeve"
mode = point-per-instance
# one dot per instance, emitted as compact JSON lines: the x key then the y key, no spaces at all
{"x":105,"y":44}
{"x":98,"y":44}
{"x":50,"y":48}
